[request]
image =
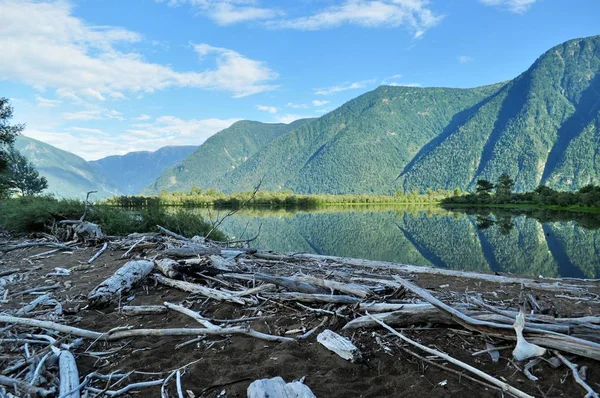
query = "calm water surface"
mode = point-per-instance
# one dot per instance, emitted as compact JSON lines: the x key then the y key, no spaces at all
{"x":527,"y":242}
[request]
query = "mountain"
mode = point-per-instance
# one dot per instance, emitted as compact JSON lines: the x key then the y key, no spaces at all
{"x":543,"y":127}
{"x":359,"y":147}
{"x":134,"y":171}
{"x":220,"y":154}
{"x":68,"y":175}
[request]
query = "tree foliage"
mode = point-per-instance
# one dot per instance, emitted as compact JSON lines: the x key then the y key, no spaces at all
{"x":8,"y":131}
{"x":21,"y":176}
{"x":484,"y":187}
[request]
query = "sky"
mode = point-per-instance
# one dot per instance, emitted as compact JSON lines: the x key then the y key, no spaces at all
{"x":106,"y":77}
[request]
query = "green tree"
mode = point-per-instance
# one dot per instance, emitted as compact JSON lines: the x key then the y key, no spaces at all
{"x":505,"y":185}
{"x":21,"y":176}
{"x":484,"y":187}
{"x":8,"y":132}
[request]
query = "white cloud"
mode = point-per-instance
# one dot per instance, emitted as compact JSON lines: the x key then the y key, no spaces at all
{"x":93,"y":114}
{"x":235,"y":73}
{"x":228,"y":12}
{"x":266,"y":108}
{"x":464,"y":59}
{"x":45,"y":102}
{"x":343,"y":87}
{"x":319,"y":103}
{"x":288,"y":118}
{"x":396,"y":84}
{"x":516,"y":6}
{"x":44,"y":45}
{"x":92,"y":144}
{"x":414,"y":14}
{"x":142,"y":117}
{"x":296,"y":106}
{"x":87,"y":130}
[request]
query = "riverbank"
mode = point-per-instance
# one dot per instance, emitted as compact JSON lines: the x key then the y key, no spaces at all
{"x":222,"y":364}
{"x":521,"y":206}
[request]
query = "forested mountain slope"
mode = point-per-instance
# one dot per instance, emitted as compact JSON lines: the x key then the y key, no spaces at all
{"x":360,"y":147}
{"x":221,"y":153}
{"x":543,"y":127}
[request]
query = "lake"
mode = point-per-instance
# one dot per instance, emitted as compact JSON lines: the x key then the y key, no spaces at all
{"x":526,"y":242}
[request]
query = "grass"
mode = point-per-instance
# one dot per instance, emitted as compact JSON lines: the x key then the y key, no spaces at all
{"x":525,"y":206}
{"x":38,"y":214}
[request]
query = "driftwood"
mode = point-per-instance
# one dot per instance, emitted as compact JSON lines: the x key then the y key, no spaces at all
{"x":168,"y":267}
{"x":199,"y":289}
{"x":349,"y":288}
{"x":578,"y":379}
{"x":557,"y":286}
{"x":26,"y":245}
{"x":292,"y":284}
{"x":119,"y":283}
{"x":191,"y":251}
{"x":172,"y":234}
{"x":35,"y":391}
{"x":524,"y":349}
{"x":69,"y":375}
{"x":540,"y":337}
{"x":132,"y":310}
{"x":125,"y":334}
{"x":505,"y":387}
{"x":315,"y":298}
{"x":88,"y":230}
{"x":338,"y":344}
{"x":277,"y":388}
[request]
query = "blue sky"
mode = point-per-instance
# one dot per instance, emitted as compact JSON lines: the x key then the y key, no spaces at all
{"x":101,"y":77}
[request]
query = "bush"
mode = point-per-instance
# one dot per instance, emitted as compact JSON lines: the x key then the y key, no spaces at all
{"x":38,"y":214}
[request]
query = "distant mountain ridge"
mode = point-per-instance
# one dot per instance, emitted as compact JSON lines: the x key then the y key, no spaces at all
{"x":220,"y":154}
{"x":543,"y":127}
{"x":134,"y":171}
{"x":69,"y":176}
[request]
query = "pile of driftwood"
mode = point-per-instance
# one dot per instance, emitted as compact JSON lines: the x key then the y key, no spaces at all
{"x":357,"y":293}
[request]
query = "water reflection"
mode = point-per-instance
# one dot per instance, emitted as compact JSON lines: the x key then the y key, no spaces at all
{"x":529,"y":242}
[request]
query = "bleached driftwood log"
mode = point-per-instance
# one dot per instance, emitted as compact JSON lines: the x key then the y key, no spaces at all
{"x":524,"y":349}
{"x":69,"y":375}
{"x":277,"y":388}
{"x":537,"y":336}
{"x":8,"y":248}
{"x":191,"y":251}
{"x":315,"y":298}
{"x":172,"y":234}
{"x":134,"y":310}
{"x":199,"y":289}
{"x":503,"y":385}
{"x":88,"y":230}
{"x":292,"y":284}
{"x":34,"y":391}
{"x":45,"y":299}
{"x":119,"y":283}
{"x":338,"y":344}
{"x":557,"y":286}
{"x":221,"y":263}
{"x":126,"y":334}
{"x":349,"y":288}
{"x":168,"y":267}
{"x":99,"y":253}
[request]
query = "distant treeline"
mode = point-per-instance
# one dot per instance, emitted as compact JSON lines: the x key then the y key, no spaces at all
{"x":211,"y":197}
{"x":501,"y":193}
